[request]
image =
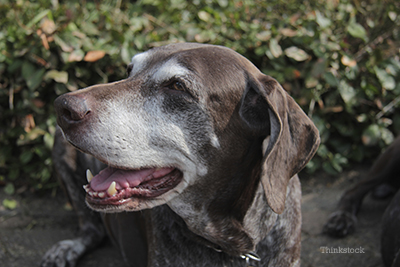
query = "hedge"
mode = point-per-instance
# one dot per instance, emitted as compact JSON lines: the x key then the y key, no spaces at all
{"x":338,"y":59}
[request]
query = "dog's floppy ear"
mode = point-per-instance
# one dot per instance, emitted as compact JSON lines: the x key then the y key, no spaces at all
{"x":291,"y":137}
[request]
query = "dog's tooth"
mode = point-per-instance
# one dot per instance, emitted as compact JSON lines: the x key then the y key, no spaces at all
{"x":91,"y":193}
{"x":102,"y":194}
{"x":89,"y":175}
{"x":86,"y":187}
{"x":112,"y":190}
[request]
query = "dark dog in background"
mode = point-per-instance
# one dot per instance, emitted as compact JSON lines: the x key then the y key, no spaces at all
{"x":200,"y":148}
{"x":384,"y":178}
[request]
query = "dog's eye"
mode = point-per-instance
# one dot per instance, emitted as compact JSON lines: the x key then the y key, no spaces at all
{"x":177,"y":86}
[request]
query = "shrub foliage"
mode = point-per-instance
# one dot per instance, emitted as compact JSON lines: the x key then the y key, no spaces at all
{"x":338,"y":59}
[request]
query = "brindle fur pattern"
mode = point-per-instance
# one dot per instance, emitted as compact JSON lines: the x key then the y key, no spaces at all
{"x":238,"y":138}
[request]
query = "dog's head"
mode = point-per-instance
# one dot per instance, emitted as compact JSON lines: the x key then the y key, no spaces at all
{"x":190,"y":122}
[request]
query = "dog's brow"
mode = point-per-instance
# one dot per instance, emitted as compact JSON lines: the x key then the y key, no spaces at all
{"x":138,"y":62}
{"x":169,"y":70}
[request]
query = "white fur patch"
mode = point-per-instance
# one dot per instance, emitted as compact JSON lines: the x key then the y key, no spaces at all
{"x":168,"y":70}
{"x":139,"y":61}
{"x":215,"y":142}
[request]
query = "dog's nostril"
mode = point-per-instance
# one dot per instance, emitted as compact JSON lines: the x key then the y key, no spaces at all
{"x":67,"y":114}
{"x":74,"y":115}
{"x":72,"y":108}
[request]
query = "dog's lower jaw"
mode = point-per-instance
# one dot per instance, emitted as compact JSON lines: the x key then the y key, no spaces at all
{"x":138,"y":203}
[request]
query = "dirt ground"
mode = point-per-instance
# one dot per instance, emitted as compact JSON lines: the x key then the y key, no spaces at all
{"x":38,"y":222}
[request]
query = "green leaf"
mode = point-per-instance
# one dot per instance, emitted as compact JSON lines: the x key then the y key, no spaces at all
{"x":362,"y":118}
{"x":387,"y":81}
{"x":45,"y":175}
{"x":296,"y":53}
{"x":32,"y":76}
{"x":322,"y":151}
{"x":14,"y":66}
{"x":371,"y":135}
{"x":338,"y":161}
{"x":89,"y":28}
{"x":223,"y":3}
{"x":27,"y":70}
{"x":347,"y":93}
{"x":322,"y":21}
{"x":374,"y":133}
{"x":327,"y":166}
{"x":9,"y":189}
{"x":312,"y":166}
{"x":63,"y":45}
{"x":58,"y":76}
{"x":203,"y":15}
{"x":48,"y":140}
{"x":36,"y":79}
{"x":357,"y":30}
{"x":26,"y":156}
{"x":311,"y":82}
{"x":331,"y":79}
{"x":392,"y":15}
{"x":386,"y":135}
{"x":275,"y":48}
{"x":9,"y":204}
{"x":31,"y":136}
{"x":260,"y":51}
{"x":125,"y":54}
{"x":13,"y":174}
{"x":38,"y":17}
{"x":264,"y":35}
{"x":76,"y":55}
{"x":178,"y":4}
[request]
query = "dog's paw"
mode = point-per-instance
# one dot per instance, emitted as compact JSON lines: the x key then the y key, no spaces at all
{"x":340,"y":224}
{"x":64,"y":253}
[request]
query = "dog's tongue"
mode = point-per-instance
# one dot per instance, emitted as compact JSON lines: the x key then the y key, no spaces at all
{"x":125,"y":178}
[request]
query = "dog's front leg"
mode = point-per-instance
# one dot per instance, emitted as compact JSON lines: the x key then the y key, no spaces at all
{"x":70,"y":166}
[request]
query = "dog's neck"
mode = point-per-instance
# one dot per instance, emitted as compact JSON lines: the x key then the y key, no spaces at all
{"x":168,"y":235}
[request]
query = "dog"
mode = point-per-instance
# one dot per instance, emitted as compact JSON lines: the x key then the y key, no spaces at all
{"x":382,"y":180}
{"x":196,"y":156}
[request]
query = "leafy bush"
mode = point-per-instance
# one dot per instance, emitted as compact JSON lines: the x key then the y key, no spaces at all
{"x":338,"y":59}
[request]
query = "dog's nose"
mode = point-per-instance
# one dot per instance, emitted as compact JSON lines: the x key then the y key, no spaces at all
{"x":71,"y":109}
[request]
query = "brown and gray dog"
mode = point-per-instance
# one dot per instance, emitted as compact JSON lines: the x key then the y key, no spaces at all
{"x":199,"y":141}
{"x":383,"y":179}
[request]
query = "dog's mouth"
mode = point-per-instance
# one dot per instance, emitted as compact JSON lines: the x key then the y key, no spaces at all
{"x":115,"y":187}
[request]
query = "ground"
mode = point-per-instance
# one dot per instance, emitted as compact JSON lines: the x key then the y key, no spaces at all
{"x":38,"y":222}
